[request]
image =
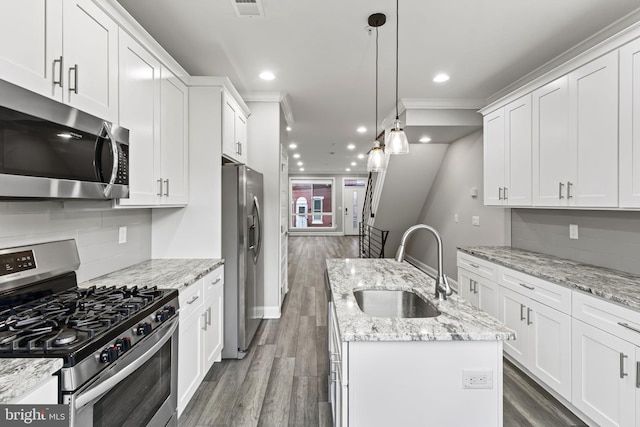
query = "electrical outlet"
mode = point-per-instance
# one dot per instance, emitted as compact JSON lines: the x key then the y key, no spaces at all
{"x":477,"y":379}
{"x":475,"y":220}
{"x":122,"y":235}
{"x":573,"y":231}
{"x":456,"y":218}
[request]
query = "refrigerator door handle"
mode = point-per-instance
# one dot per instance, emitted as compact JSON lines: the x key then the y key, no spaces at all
{"x":256,"y":251}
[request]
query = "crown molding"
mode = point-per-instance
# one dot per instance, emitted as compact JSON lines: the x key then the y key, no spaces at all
{"x":281,"y":97}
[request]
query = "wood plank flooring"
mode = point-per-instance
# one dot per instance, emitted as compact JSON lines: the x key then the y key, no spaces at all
{"x":283,"y":379}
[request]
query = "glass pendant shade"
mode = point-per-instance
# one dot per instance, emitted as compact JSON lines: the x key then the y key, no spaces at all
{"x":375,"y":163}
{"x":396,"y":141}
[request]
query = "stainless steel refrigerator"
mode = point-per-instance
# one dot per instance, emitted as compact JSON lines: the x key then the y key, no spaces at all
{"x":243,"y":269}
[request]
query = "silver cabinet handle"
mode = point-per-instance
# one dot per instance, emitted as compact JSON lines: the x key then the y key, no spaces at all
{"x":470,"y":285}
{"x":193,"y":299}
{"x":500,"y":197}
{"x":474,"y":265}
{"x":637,"y":374}
{"x":160,"y":182}
{"x":531,"y":288}
{"x":529,"y":322}
{"x":626,"y":325}
{"x":166,"y":181}
{"x":215,"y":282}
{"x":74,"y":89}
{"x":59,"y":81}
{"x":622,"y":372}
{"x":205,"y":323}
{"x":475,"y":286}
{"x":239,"y":148}
{"x":506,"y":193}
{"x":522,"y":312}
{"x":560,"y":196}
{"x":209,"y":316}
{"x":569,"y":185}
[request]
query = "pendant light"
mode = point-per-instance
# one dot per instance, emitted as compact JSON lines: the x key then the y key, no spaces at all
{"x":375,"y":163}
{"x":396,"y":140}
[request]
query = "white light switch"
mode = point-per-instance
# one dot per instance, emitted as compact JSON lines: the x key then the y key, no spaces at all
{"x":475,"y":220}
{"x":573,"y":231}
{"x":122,"y":235}
{"x":456,"y":218}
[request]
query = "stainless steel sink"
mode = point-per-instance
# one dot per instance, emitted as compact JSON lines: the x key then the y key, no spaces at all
{"x":390,"y":303}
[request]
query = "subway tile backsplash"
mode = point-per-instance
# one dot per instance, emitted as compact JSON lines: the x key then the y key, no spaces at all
{"x":605,"y":238}
{"x":93,"y":224}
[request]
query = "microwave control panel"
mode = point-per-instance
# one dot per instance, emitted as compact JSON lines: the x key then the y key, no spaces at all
{"x":17,"y":261}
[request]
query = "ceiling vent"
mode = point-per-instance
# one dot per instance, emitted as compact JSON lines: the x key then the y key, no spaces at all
{"x":247,"y":8}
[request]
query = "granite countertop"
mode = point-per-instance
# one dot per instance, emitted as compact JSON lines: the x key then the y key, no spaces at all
{"x":163,"y":273}
{"x":20,"y":376}
{"x":459,"y":319}
{"x":613,"y":285}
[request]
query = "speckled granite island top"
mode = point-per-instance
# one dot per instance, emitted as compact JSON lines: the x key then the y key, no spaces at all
{"x":614,"y":285}
{"x":459,"y":319}
{"x":20,"y":376}
{"x":163,"y":273}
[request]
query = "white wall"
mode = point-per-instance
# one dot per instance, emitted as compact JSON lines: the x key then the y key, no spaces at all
{"x":94,"y":225}
{"x":460,"y":171}
{"x":263,"y":155}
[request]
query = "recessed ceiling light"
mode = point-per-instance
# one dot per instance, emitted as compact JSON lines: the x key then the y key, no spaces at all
{"x":288,"y":128}
{"x":296,"y":156}
{"x":293,"y":145}
{"x":362,"y":129}
{"x":353,"y":163}
{"x":267,"y":75}
{"x":351,"y":146}
{"x":441,"y":78}
{"x":361,"y":156}
{"x":300,"y":163}
{"x":425,"y":139}
{"x":348,"y":169}
{"x":301,"y":169}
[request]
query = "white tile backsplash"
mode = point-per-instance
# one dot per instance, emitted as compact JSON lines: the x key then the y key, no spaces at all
{"x":93,"y":224}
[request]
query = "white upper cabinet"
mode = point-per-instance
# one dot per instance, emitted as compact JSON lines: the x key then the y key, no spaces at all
{"x":630,"y":125}
{"x":140,"y":113}
{"x":494,"y":162}
{"x":550,"y":143}
{"x":66,"y":50}
{"x":234,"y":130}
{"x":593,"y":133}
{"x":31,"y":45}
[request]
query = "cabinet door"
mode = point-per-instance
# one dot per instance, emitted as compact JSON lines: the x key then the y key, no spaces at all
{"x":517,"y":156}
{"x":513,"y":313}
{"x":241,"y":137}
{"x":30,"y":42}
{"x":630,"y":125}
{"x":466,"y":282}
{"x":603,"y":384}
{"x":173,"y":140}
{"x":549,"y":347}
{"x":229,"y":112}
{"x":551,"y":148}
{"x":189,"y":357}
{"x":213,"y":327}
{"x":487,"y":296}
{"x":90,"y":40}
{"x":593,"y":134}
{"x":140,"y":113}
{"x":494,"y":160}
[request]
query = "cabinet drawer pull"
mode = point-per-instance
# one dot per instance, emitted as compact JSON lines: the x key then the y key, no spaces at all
{"x":505,"y":193}
{"x":470,"y":285}
{"x":560,"y":185}
{"x":569,"y":185}
{"x":166,"y":193}
{"x":622,"y":372}
{"x":474,"y":265}
{"x":475,"y":286}
{"x":59,"y":81}
{"x":531,"y":288}
{"x":529,"y":322}
{"x":499,"y":193}
{"x":522,"y":312}
{"x":74,"y":89}
{"x":215,"y":282}
{"x":159,"y":181}
{"x":193,"y":299}
{"x":626,"y":325}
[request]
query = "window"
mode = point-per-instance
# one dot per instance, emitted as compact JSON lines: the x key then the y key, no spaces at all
{"x":311,"y":203}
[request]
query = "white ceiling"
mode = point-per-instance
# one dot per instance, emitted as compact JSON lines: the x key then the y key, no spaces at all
{"x":324,"y":58}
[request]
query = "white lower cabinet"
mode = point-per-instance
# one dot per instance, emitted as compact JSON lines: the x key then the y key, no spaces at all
{"x":45,"y":393}
{"x":480,"y":292}
{"x":200,"y":339}
{"x":338,"y":373}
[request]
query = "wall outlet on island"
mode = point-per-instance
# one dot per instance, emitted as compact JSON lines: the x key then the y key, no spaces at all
{"x":573,"y":231}
{"x":122,"y":235}
{"x":477,"y":379}
{"x":475,"y":220}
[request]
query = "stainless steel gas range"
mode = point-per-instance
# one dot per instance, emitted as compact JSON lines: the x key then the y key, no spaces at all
{"x":119,"y":345}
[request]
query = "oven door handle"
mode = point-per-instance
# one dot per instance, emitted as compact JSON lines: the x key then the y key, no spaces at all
{"x":101,"y":387}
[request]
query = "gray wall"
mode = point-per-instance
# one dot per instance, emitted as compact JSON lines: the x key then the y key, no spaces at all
{"x":94,"y":226}
{"x":461,"y":170}
{"x":605,"y":238}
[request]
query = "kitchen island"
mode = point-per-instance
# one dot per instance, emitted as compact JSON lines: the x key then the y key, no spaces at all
{"x":444,"y":370}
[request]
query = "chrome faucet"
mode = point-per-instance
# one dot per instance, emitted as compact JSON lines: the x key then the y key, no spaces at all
{"x":442,"y":285}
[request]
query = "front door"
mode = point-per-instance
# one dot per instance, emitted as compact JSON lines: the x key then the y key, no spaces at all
{"x":353,"y":192}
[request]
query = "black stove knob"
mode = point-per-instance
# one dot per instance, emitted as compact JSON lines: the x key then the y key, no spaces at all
{"x":123,"y":344}
{"x":143,"y":328}
{"x":170,"y":309}
{"x":108,"y":355}
{"x":162,"y":315}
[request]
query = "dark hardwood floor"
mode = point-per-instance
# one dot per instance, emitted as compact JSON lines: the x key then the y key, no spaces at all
{"x":283,"y":379}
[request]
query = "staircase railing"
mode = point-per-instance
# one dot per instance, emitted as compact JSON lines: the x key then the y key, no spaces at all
{"x":371,"y":241}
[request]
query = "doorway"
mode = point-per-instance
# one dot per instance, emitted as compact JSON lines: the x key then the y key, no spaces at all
{"x":353,"y":192}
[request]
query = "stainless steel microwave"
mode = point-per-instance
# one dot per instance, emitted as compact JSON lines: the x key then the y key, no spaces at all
{"x":51,"y":150}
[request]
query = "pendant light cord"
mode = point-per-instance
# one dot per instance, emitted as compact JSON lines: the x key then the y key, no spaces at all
{"x":375,"y":128}
{"x":397,"y":32}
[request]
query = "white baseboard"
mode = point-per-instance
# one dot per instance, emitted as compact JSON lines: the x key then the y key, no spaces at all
{"x":272,"y":312}
{"x":430,"y":271}
{"x":315,"y":233}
